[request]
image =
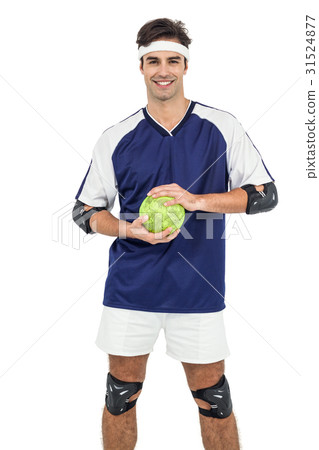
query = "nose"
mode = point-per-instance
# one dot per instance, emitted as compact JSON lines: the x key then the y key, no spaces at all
{"x":163,"y":69}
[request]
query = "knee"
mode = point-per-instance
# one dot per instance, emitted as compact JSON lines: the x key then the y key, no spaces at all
{"x":214,"y":401}
{"x":209,"y":380}
{"x":121,"y":395}
{"x":206,"y":375}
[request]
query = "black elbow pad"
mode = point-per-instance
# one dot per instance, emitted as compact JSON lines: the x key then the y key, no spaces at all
{"x":261,"y":201}
{"x":82,"y":217}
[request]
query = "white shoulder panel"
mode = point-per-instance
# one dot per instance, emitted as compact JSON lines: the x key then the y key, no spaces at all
{"x":100,"y":184}
{"x":244,"y":162}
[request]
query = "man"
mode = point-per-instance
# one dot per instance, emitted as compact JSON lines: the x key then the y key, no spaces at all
{"x":179,"y":148}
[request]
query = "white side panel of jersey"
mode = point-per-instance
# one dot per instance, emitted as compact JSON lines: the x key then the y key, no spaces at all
{"x":100,"y":186}
{"x":244,"y":163}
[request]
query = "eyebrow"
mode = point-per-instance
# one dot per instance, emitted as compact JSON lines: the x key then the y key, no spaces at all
{"x":149,"y":58}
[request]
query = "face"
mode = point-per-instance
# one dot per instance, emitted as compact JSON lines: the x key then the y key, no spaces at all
{"x":163,"y":74}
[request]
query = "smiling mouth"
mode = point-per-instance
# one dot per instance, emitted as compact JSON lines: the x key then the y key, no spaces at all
{"x":164,"y":83}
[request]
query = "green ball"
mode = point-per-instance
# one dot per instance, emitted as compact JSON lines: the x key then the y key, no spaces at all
{"x":161,"y":217}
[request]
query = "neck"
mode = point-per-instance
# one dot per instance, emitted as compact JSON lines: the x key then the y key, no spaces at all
{"x":168,"y":113}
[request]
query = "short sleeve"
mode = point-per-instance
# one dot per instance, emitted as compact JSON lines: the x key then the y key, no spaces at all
{"x":99,"y":186}
{"x":244,"y":162}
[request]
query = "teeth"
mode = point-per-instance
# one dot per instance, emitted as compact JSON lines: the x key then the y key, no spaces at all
{"x":163,"y":83}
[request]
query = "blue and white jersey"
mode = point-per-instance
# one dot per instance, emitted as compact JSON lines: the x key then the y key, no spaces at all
{"x":207,"y":152}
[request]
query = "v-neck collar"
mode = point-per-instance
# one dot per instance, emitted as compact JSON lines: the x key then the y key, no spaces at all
{"x":161,"y":129}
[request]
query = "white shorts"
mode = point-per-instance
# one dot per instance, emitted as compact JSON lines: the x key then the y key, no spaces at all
{"x":194,"y":338}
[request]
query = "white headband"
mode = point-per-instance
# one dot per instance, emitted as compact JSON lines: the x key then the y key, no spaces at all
{"x":157,"y":46}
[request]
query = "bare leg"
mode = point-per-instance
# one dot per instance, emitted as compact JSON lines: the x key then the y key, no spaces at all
{"x":120,"y":432}
{"x":217,"y":434}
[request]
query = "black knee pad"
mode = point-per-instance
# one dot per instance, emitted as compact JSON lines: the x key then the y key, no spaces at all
{"x":118,"y":394}
{"x":218,"y":396}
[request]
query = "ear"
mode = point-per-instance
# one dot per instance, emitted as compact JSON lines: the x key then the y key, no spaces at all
{"x":141,"y":69}
{"x":186,"y":68}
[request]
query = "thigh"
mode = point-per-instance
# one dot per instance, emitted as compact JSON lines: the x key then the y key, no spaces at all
{"x":200,"y":376}
{"x":128,"y":368}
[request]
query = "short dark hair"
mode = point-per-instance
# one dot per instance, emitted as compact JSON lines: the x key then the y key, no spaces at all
{"x":162,"y":28}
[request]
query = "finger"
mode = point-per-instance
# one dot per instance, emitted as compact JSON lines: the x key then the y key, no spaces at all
{"x":143,"y":218}
{"x":163,"y":193}
{"x":164,"y":190}
{"x":170,"y":202}
{"x":175,"y":193}
{"x":139,"y":221}
{"x":168,"y":233}
{"x":156,"y":190}
{"x":162,"y":234}
{"x":173,"y":235}
{"x":160,"y":187}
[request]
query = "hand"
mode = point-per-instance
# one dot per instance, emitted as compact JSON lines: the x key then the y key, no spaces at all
{"x":181,"y":196}
{"x":138,"y":231}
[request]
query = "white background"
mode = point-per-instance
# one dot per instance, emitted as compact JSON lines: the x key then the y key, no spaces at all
{"x":68,"y":71}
